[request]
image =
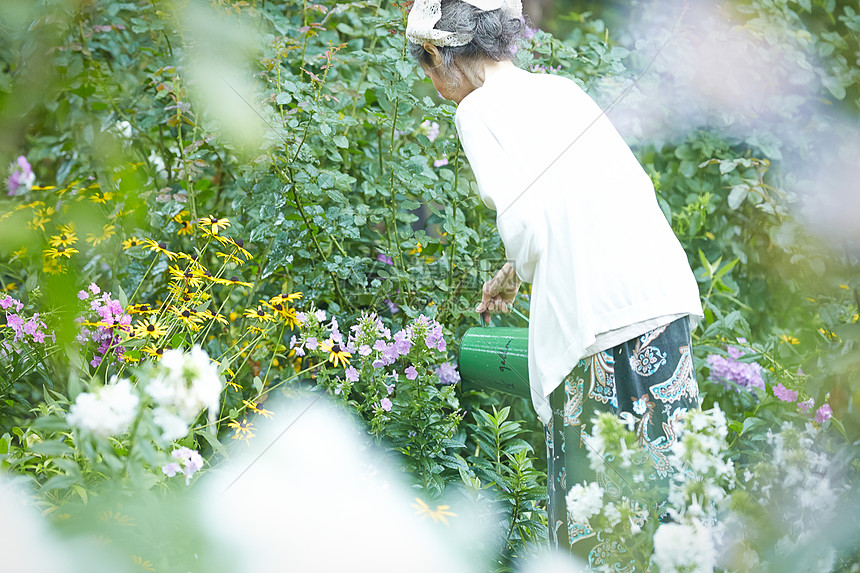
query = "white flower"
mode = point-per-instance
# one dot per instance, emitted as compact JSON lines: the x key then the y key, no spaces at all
{"x":108,"y":411}
{"x":186,"y":383}
{"x":613,"y":515}
{"x":583,"y":501}
{"x":684,"y":548}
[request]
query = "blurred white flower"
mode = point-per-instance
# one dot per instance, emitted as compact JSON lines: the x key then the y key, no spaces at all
{"x":684,"y":548}
{"x":583,"y":501}
{"x":185,"y":384}
{"x":108,"y":411}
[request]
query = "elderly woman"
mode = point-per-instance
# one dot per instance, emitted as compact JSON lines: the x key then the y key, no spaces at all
{"x":613,"y":297}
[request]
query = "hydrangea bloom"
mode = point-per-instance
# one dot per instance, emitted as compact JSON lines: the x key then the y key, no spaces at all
{"x":108,"y":411}
{"x":733,"y":373}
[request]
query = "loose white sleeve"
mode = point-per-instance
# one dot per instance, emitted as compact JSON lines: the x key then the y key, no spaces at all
{"x":500,"y":184}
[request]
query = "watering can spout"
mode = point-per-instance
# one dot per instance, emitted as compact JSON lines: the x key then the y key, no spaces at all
{"x":495,"y":359}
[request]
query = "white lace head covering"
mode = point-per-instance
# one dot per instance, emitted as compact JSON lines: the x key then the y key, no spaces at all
{"x":426,"y":13}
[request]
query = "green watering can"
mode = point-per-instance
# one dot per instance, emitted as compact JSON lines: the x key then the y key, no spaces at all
{"x":496,"y":359}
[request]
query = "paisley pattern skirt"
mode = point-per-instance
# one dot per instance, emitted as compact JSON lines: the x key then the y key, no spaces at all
{"x":649,"y":380}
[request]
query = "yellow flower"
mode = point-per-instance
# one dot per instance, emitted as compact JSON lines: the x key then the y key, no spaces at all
{"x":233,"y":281}
{"x":38,"y":223}
{"x":131,"y":243}
{"x":159,"y":248}
{"x":231,"y":258}
{"x":57,"y":252}
{"x":336,"y":353}
{"x":231,"y":380}
{"x":213,"y":224}
{"x":154,"y":351}
{"x":108,"y":231}
{"x":257,"y":409}
{"x":11,"y":286}
{"x":19,"y":254}
{"x":142,"y":563}
{"x":789,"y":339}
{"x":417,"y":249}
{"x":259,"y":314}
{"x":190,"y":318}
{"x":214,"y":316}
{"x":63,"y":240}
{"x":243,"y":430}
{"x":846,"y":287}
{"x":288,"y":298}
{"x":68,"y":228}
{"x":440,"y":514}
{"x":239,"y":245}
{"x":148,"y":328}
{"x":190,"y":276}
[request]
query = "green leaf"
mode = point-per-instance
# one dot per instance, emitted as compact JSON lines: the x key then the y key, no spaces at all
{"x":51,"y":448}
{"x":341,"y":141}
{"x":737,"y":195}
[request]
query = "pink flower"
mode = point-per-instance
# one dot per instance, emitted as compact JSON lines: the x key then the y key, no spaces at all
{"x":411,"y":373}
{"x":803,"y":407}
{"x":83,"y":295}
{"x":351,"y":374}
{"x":385,"y":404}
{"x":823,"y":414}
{"x":94,"y":288}
{"x":440,"y":162}
{"x":171,"y":469}
{"x":784,"y":393}
{"x":21,"y":177}
{"x":311,"y":343}
{"x":14,"y":322}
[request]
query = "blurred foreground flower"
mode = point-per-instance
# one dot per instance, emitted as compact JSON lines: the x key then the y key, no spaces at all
{"x":21,"y":177}
{"x":107,"y":411}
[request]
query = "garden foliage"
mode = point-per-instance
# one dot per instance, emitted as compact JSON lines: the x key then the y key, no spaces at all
{"x":213,"y":202}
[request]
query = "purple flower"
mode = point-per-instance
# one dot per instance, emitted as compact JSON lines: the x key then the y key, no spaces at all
{"x":21,"y":177}
{"x":351,"y":374}
{"x":171,"y":469}
{"x":447,"y":373}
{"x":380,"y":345}
{"x":14,"y":322}
{"x":83,"y":295}
{"x":364,"y":350}
{"x":94,"y":288}
{"x":392,"y":308}
{"x":402,"y":343}
{"x":390,"y":388}
{"x":320,"y":315}
{"x":823,"y":414}
{"x":378,"y":363}
{"x":730,"y":371}
{"x":385,"y":404}
{"x":432,"y":129}
{"x":385,"y":259}
{"x":784,"y":393}
{"x":312,"y":343}
{"x":440,"y":162}
{"x":411,"y":373}
{"x":803,"y":407}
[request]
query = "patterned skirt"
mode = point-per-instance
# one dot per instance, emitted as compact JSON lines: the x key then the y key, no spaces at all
{"x":650,"y":377}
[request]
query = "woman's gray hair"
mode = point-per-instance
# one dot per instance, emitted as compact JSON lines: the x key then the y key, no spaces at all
{"x":493,"y":34}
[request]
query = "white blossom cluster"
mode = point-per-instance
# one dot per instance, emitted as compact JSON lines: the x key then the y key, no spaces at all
{"x":684,"y":548}
{"x":583,"y":501}
{"x":107,"y":411}
{"x":184,"y":384}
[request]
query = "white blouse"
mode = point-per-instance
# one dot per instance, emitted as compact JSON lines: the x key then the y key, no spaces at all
{"x":580,"y":222}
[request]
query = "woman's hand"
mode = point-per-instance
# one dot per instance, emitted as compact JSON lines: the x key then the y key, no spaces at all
{"x":499,"y":292}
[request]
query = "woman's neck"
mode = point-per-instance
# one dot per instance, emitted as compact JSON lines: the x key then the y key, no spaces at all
{"x":478,"y":73}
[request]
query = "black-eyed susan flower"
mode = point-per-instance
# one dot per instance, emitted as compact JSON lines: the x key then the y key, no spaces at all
{"x":243,"y":430}
{"x":131,"y":243}
{"x":154,"y":351}
{"x":38,"y":222}
{"x":213,"y":224}
{"x":190,"y":277}
{"x":140,"y":308}
{"x":440,"y":514}
{"x":57,"y":252}
{"x":230,"y":258}
{"x":185,"y":225}
{"x":254,"y":407}
{"x":148,"y":328}
{"x":67,"y":228}
{"x":214,"y":316}
{"x":232,"y":281}
{"x":159,"y":248}
{"x":231,"y":380}
{"x":193,"y":260}
{"x":237,"y":244}
{"x":53,"y":267}
{"x":337,"y":355}
{"x":256,"y":330}
{"x":189,"y":318}
{"x":282,"y":311}
{"x":108,"y":231}
{"x":63,"y":239}
{"x":259,"y":314}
